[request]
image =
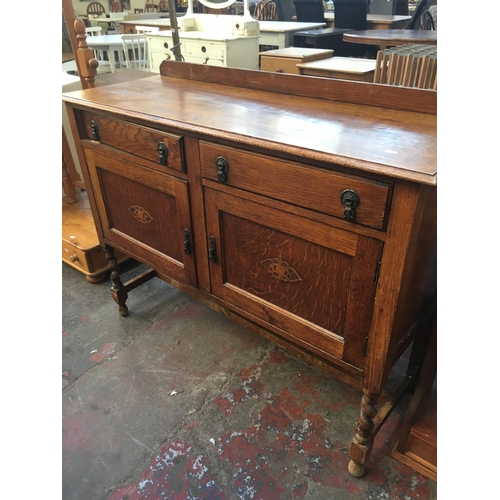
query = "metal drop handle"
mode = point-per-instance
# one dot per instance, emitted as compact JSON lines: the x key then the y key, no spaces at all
{"x":95,"y":130}
{"x":350,"y":199}
{"x":212,"y":252}
{"x":222,"y":168}
{"x":163,"y":153}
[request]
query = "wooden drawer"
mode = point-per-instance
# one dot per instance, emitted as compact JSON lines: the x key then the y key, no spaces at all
{"x":203,"y":48}
{"x":297,"y":183}
{"x":157,"y":57}
{"x":78,"y":258}
{"x":160,"y":42}
{"x":286,"y":60}
{"x":139,"y":141}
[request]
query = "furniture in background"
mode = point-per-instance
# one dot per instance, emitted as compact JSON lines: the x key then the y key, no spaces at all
{"x":391,"y":38}
{"x":349,"y":15}
{"x":266,"y":10}
{"x":99,"y":54}
{"x":208,"y":39}
{"x":81,"y":248}
{"x":423,"y":6}
{"x":286,"y":60}
{"x":375,"y":21}
{"x":128,"y":26}
{"x":306,"y":212}
{"x":150,"y":6}
{"x":112,"y":45}
{"x":384,"y":7}
{"x":116,"y":6}
{"x":205,"y":47}
{"x":95,"y":9}
{"x":146,"y":29}
{"x":408,"y":65}
{"x":309,"y":11}
{"x":135,"y":48}
{"x":286,"y":10}
{"x":427,"y":21}
{"x":417,"y":444}
{"x":345,"y":68}
{"x":280,"y":34}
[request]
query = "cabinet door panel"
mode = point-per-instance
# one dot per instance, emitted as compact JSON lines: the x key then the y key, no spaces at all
{"x":144,"y":212}
{"x":312,"y":281}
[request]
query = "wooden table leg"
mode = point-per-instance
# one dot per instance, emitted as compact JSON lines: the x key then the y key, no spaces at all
{"x":118,"y":290}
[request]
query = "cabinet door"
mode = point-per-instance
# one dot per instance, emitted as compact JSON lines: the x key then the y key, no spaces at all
{"x":313,"y":283}
{"x":144,"y":212}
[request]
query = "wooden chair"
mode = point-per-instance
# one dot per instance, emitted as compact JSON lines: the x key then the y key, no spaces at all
{"x":266,"y":10}
{"x":116,"y":6}
{"x":423,"y":6}
{"x":163,"y":6}
{"x":150,"y":6}
{"x":135,"y":47}
{"x":427,"y":21}
{"x":410,"y":65}
{"x":286,"y":10}
{"x":95,"y":9}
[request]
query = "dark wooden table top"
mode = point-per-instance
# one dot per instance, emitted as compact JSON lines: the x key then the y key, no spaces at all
{"x":391,"y":37}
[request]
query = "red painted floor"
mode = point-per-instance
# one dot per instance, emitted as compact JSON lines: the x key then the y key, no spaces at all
{"x":176,"y":401}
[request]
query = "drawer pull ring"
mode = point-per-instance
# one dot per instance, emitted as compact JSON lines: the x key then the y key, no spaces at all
{"x":222,"y":168}
{"x":163,"y":151}
{"x":95,"y":130}
{"x":187,"y":242}
{"x":350,"y":200}
{"x":212,"y":252}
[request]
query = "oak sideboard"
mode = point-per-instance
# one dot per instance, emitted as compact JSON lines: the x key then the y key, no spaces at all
{"x":302,"y":207}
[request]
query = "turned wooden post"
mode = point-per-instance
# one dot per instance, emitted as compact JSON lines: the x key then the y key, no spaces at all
{"x":86,"y":61}
{"x":118,"y":291}
{"x":362,"y":443}
{"x":84,"y":58}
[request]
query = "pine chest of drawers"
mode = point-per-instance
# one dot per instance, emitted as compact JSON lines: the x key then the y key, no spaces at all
{"x":312,"y":220}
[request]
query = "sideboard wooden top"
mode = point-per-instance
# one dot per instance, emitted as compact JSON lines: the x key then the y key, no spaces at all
{"x":393,"y":142}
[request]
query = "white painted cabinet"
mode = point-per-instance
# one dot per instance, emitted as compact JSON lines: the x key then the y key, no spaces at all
{"x":204,"y":47}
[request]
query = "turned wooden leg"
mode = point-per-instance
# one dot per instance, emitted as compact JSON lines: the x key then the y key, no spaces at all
{"x":118,"y":291}
{"x":361,"y":444}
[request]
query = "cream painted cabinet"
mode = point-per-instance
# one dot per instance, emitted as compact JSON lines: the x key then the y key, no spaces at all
{"x":205,"y":48}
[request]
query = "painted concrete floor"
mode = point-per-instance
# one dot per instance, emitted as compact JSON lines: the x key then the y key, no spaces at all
{"x":176,"y":401}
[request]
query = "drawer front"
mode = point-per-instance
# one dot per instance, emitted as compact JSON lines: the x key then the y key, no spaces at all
{"x":161,"y":43}
{"x":280,"y":64}
{"x":139,"y":141}
{"x":203,"y":48}
{"x":210,"y":61}
{"x":298,"y":184}
{"x":76,"y":257}
{"x":157,"y":57}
